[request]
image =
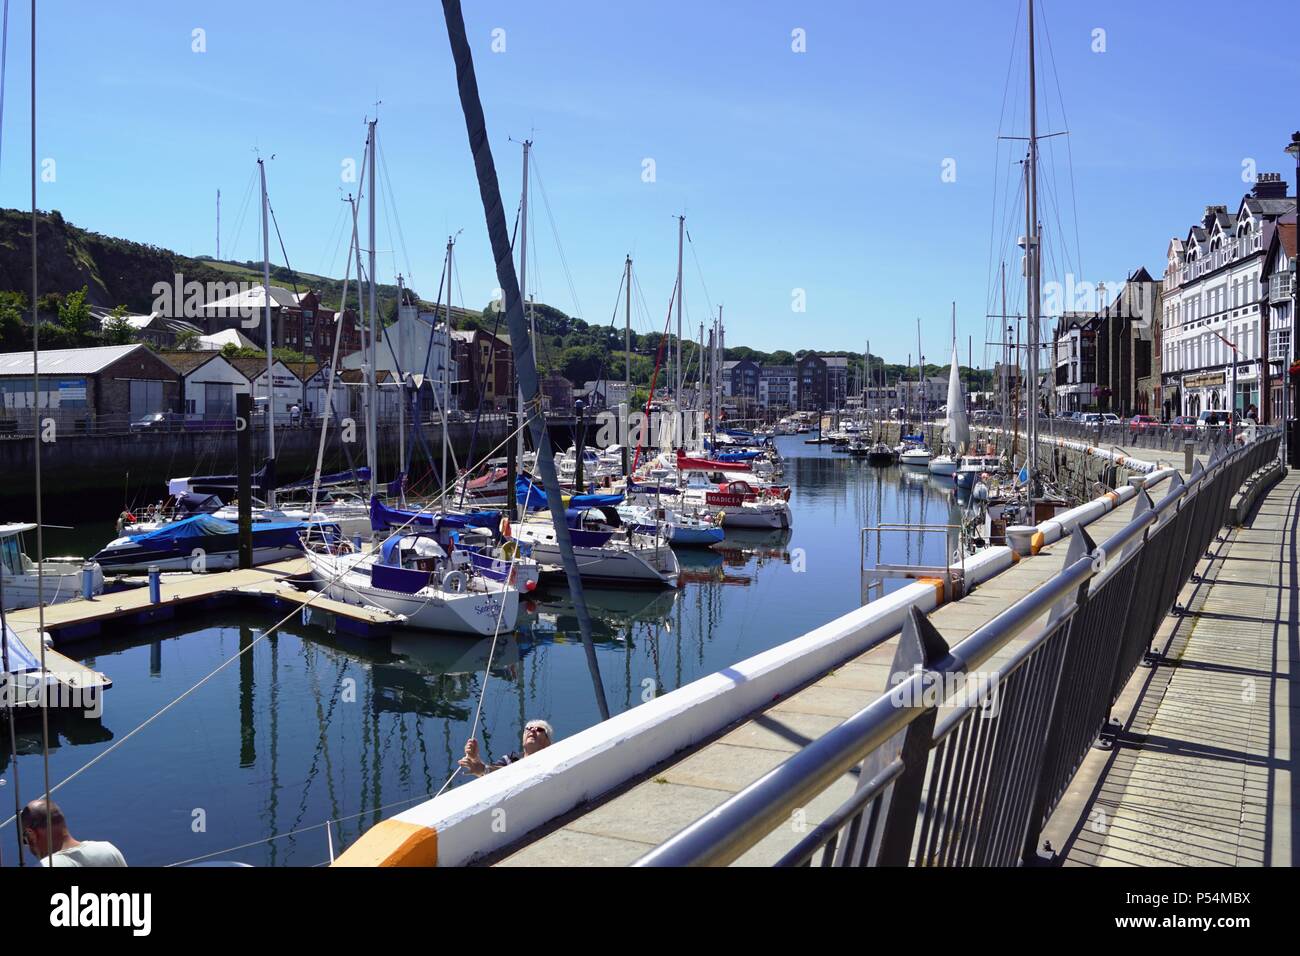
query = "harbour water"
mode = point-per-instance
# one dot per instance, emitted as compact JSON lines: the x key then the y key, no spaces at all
{"x":307,"y":738}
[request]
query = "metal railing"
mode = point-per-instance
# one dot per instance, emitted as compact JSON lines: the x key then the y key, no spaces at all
{"x":21,"y":423}
{"x":959,"y":765}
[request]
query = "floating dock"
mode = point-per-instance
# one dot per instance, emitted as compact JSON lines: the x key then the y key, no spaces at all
{"x":270,"y":586}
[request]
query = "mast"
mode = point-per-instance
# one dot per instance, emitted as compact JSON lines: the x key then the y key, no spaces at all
{"x":523,"y":291}
{"x":920,"y":373}
{"x":1003,"y":327}
{"x":681,"y":232}
{"x":401,"y":395}
{"x":266,"y":311}
{"x":373,"y":412}
{"x":1032,"y":238}
{"x":445,"y":417}
{"x":627,"y":358}
{"x":218,"y":223}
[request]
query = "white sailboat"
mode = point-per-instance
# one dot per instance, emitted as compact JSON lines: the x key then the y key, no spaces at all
{"x":956,"y":432}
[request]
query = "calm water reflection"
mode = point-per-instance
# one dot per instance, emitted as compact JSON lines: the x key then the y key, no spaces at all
{"x":306,"y":727}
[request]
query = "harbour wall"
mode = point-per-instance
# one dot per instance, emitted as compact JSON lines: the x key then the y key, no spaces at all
{"x":96,"y":465}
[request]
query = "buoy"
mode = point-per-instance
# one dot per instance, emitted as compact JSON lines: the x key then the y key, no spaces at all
{"x":453,"y":581}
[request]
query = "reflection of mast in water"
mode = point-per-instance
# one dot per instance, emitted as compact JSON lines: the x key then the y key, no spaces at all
{"x":274,"y":639}
{"x":247,"y":723}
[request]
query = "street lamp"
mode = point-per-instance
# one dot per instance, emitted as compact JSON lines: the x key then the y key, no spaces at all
{"x":1294,"y":150}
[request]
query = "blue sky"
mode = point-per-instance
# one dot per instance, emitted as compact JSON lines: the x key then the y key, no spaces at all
{"x":819,"y":171}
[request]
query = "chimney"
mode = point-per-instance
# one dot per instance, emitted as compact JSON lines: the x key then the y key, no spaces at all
{"x":1269,"y":186}
{"x":1207,"y":220}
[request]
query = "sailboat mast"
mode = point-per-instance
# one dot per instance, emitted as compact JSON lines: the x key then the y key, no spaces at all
{"x":445,"y":417}
{"x":1002,"y":331}
{"x":266,"y":311}
{"x":372,"y":411}
{"x":627,"y":357}
{"x":681,"y":233}
{"x":1031,"y":262}
{"x":920,"y":373}
{"x":523,"y":291}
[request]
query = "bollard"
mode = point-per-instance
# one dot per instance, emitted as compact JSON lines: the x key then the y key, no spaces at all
{"x":1020,"y":537}
{"x":1188,"y":458}
{"x":87,"y":580}
{"x":155,"y":585}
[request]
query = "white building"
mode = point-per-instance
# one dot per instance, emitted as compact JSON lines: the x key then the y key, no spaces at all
{"x":416,"y":344}
{"x":778,"y":387}
{"x":1278,"y":280}
{"x":1215,"y":306}
{"x":1075,"y":362}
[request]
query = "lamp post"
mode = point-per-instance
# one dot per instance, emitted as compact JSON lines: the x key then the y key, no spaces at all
{"x":1289,"y":356}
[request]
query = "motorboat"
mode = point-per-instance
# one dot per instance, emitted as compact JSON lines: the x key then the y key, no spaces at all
{"x":60,"y":578}
{"x":682,"y":529}
{"x":915,"y":456}
{"x":973,"y":467}
{"x":201,"y":543}
{"x":607,"y":551}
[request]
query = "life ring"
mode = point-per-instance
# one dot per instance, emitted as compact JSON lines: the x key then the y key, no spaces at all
{"x":454,"y":582}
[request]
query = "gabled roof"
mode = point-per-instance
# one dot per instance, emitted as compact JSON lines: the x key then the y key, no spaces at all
{"x":252,"y":368}
{"x":186,"y":362}
{"x":254,"y":298}
{"x":85,"y":361}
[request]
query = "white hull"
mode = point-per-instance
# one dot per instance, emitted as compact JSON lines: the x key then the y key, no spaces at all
{"x":212,"y":561}
{"x":917,"y":459}
{"x":655,"y":566}
{"x":764,"y":517}
{"x":478,"y":611}
{"x":943,"y":465}
{"x":62,"y":582}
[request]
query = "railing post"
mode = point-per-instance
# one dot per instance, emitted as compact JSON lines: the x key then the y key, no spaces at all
{"x":920,"y":646}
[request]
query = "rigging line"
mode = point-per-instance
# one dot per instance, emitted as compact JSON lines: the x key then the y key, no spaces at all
{"x":4,"y":626}
{"x":388,"y":185}
{"x":564,"y":264}
{"x":36,"y":432}
{"x":1002,"y":112}
{"x":336,"y":234}
{"x":1065,"y":123}
{"x":700,"y":271}
{"x":242,"y":215}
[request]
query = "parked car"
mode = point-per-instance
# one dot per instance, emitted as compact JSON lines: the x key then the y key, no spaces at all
{"x":1091,"y":420}
{"x":1182,"y":425}
{"x":1110,"y":418}
{"x":158,"y":421}
{"x":1142,"y":423}
{"x":1210,"y":419}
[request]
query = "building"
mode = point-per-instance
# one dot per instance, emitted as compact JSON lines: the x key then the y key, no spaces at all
{"x":1215,"y":312}
{"x":156,"y":330}
{"x":1075,"y":349}
{"x":778,"y":388}
{"x":209,"y":384}
{"x":925,"y":396}
{"x":1124,"y":343}
{"x":740,"y":379}
{"x":82,"y":387}
{"x":298,"y":321}
{"x":416,"y":344}
{"x":557,"y":393}
{"x":485,"y":365}
{"x":822,"y":381}
{"x":603,"y":393}
{"x":287,"y":388}
{"x":1277,"y":278}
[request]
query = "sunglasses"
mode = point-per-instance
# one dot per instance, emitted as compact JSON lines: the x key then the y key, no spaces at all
{"x":535,"y":730}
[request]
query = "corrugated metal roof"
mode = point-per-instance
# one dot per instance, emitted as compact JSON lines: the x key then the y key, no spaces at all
{"x":254,"y":298}
{"x":85,"y":361}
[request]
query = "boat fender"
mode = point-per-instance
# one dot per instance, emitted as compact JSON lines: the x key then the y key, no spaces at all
{"x":454,"y":581}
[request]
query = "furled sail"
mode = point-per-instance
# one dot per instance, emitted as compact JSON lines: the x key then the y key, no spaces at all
{"x":957,"y":431}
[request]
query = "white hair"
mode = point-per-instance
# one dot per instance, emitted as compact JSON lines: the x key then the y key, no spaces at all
{"x":550,"y":734}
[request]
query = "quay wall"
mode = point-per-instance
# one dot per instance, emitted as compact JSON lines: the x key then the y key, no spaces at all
{"x":91,"y":464}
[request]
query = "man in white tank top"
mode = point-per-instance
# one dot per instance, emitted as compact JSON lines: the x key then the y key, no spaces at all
{"x":46,"y":834}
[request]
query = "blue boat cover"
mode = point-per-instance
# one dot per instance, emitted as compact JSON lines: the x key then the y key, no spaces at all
{"x":205,"y":526}
{"x":532,"y":497}
{"x":21,"y":657}
{"x":383,"y":517}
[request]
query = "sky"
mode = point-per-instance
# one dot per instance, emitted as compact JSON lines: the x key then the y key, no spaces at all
{"x":838,"y":163}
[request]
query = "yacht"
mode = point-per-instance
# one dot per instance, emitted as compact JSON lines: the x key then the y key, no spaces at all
{"x":61,"y":577}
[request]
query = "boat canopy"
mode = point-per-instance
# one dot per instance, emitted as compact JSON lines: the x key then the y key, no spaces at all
{"x":20,"y":656}
{"x":383,"y":517}
{"x":205,"y":526}
{"x":532,"y":497}
{"x":388,"y":550}
{"x":9,"y":530}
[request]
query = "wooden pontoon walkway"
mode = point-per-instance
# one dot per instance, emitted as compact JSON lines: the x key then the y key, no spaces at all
{"x":1203,"y":775}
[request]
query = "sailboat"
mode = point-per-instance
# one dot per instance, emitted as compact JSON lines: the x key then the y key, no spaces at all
{"x":956,"y":432}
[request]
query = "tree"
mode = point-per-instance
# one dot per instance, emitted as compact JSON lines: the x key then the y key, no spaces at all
{"x":116,"y":329}
{"x":188,"y":340}
{"x":13,"y":331}
{"x":74,"y":316}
